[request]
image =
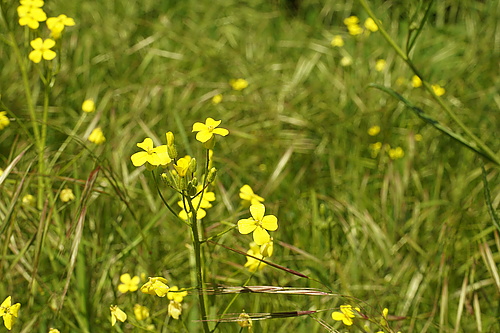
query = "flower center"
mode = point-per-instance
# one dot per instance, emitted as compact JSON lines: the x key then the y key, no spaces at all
{"x":210,"y":128}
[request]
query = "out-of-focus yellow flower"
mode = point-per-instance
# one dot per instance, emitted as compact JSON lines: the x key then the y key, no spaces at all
{"x":4,"y":120}
{"x":206,"y":131}
{"x":244,"y":320}
{"x":1,"y":171}
{"x":54,"y":330}
{"x":247,"y":194}
{"x":438,"y":90}
{"x":380,"y":65}
{"x":42,"y":49}
{"x":238,"y":84}
{"x":374,"y":130}
{"x":128,"y":283}
{"x":354,"y":30}
{"x":396,"y":153}
{"x":66,"y":195}
{"x":174,"y":309}
{"x":337,"y":41}
{"x":375,"y":149}
{"x":56,"y":24}
{"x":97,"y":137}
{"x":416,"y":82}
{"x":351,"y":20}
{"x":28,"y":200}
{"x":9,"y":312}
{"x":258,"y":224}
{"x":31,"y":14}
{"x":117,"y":314}
{"x":267,"y":249}
{"x":88,"y":105}
{"x":155,"y":286}
{"x":371,"y":25}
{"x":154,"y":156}
{"x":418,"y":137}
{"x":176,"y":294}
{"x":141,"y":312}
{"x":253,"y":264}
{"x":346,"y":61}
{"x":345,"y":315}
{"x":217,"y":99}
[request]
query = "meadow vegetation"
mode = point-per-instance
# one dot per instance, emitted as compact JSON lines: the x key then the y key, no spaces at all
{"x":381,"y":188}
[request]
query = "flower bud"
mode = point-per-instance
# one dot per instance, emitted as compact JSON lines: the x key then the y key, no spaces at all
{"x":211,"y":175}
{"x":192,"y":165}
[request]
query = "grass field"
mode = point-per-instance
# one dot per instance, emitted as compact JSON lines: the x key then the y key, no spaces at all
{"x":361,"y":222}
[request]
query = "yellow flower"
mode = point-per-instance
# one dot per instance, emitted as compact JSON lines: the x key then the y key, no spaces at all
{"x":371,"y":25}
{"x":174,"y":309}
{"x":66,"y":195}
{"x":176,"y":294}
{"x":42,"y":49}
{"x":206,"y":131}
{"x":54,"y":330}
{"x":253,"y":264}
{"x":267,"y":249}
{"x":9,"y":312}
{"x":117,"y":314}
{"x":244,"y":320}
{"x":337,"y":41}
{"x":185,"y":213}
{"x":246,"y":193}
{"x":217,"y":99}
{"x":57,"y":24}
{"x":155,"y":286}
{"x":4,"y":120}
{"x":418,"y":137}
{"x":238,"y":84}
{"x":141,"y":312}
{"x":374,"y":130}
{"x":31,"y":14}
{"x":375,"y":149}
{"x":351,"y":20}
{"x":28,"y":200}
{"x":88,"y":105}
{"x":354,"y":30}
{"x":96,"y":136}
{"x":416,"y":82}
{"x":258,"y":224}
{"x":1,"y":171}
{"x":346,"y":61}
{"x":380,"y":65}
{"x":182,"y":166}
{"x":128,"y":283}
{"x":345,"y":315}
{"x":396,"y":153}
{"x":153,"y":156}
{"x":438,"y":90}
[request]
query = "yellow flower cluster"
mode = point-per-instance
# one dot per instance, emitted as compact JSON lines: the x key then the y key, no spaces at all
{"x":354,"y":29}
{"x":416,"y":82}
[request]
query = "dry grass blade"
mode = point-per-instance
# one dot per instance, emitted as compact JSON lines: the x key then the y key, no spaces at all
{"x":267,"y":290}
{"x":234,"y":317}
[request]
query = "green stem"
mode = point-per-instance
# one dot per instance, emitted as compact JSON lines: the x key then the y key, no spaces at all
{"x":428,"y":87}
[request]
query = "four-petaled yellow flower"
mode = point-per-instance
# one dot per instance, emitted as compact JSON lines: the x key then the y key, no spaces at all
{"x":337,"y":41}
{"x":42,"y":49}
{"x":128,"y":283}
{"x":258,"y":224}
{"x":252,"y":263}
{"x":182,"y":166}
{"x":88,"y":105}
{"x":207,"y":130}
{"x":155,"y":286}
{"x":247,"y":194}
{"x":154,"y":156}
{"x":345,"y":315}
{"x":117,"y":314}
{"x":9,"y":312}
{"x":141,"y":312}
{"x":371,"y":25}
{"x":238,"y":84}
{"x":176,"y":294}
{"x":97,"y":137}
{"x":438,"y":90}
{"x":31,"y":14}
{"x":56,"y":24}
{"x":374,"y":130}
{"x":4,"y":120}
{"x":396,"y":153}
{"x":174,"y":309}
{"x":66,"y":195}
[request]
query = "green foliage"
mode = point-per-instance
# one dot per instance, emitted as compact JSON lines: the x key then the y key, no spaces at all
{"x":414,"y":235}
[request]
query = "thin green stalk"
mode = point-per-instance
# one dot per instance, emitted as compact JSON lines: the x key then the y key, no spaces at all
{"x":428,"y":87}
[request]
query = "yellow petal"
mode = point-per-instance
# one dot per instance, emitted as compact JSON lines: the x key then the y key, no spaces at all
{"x":147,"y":144}
{"x":204,"y":136}
{"x":6,"y":303}
{"x":123,"y":288}
{"x":212,"y":122}
{"x":338,"y":316}
{"x":221,"y":131}
{"x":139,"y":158}
{"x":37,"y":43}
{"x":257,"y":211}
{"x":199,"y":127}
{"x":270,"y":222}
{"x":35,"y":56}
{"x":261,"y":236}
{"x":8,"y":321}
{"x":48,"y":43}
{"x":49,"y":55}
{"x":246,"y":226}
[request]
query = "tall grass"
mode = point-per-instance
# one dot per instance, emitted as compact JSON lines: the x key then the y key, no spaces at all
{"x":414,"y":235}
